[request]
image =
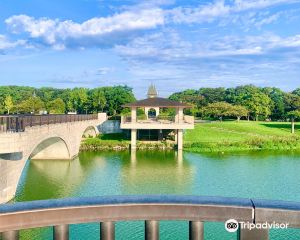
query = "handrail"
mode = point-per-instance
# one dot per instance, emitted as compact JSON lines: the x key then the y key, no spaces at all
{"x":18,"y":123}
{"x":158,"y":120}
{"x":150,"y":208}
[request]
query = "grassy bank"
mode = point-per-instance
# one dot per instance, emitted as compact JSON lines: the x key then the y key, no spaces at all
{"x":213,"y":137}
{"x":241,"y":136}
{"x":118,"y":142}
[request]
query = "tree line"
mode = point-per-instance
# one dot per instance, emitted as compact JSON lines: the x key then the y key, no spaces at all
{"x":249,"y":102}
{"x":24,"y":100}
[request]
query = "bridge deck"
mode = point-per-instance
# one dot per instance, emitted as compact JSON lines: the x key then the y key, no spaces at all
{"x":18,"y":123}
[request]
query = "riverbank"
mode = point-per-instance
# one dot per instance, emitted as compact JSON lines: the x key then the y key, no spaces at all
{"x":241,"y":136}
{"x":228,"y":136}
{"x":118,"y":142}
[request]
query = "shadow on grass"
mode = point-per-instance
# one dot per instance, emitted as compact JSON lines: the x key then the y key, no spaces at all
{"x":113,"y":136}
{"x":279,"y":125}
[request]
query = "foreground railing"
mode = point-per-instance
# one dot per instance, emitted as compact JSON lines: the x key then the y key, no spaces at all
{"x":107,"y":210}
{"x":18,"y":123}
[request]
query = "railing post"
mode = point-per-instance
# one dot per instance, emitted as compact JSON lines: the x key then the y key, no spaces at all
{"x":151,"y":230}
{"x":196,"y":230}
{"x":61,"y":232}
{"x":107,"y":231}
{"x":17,"y":124}
{"x":246,"y":234}
{"x":10,"y":235}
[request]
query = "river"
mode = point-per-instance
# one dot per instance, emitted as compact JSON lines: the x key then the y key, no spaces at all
{"x":265,"y":175}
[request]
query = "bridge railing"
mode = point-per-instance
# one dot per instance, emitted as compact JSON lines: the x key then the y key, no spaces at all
{"x":18,"y":123}
{"x":149,"y":208}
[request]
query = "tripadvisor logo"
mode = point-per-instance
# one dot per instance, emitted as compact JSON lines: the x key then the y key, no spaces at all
{"x":231,"y":225}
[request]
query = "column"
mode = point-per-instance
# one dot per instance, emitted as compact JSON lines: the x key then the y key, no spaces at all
{"x":146,"y":111}
{"x":151,"y":230}
{"x":11,"y":235}
{"x":176,"y":135}
{"x":196,"y":230}
{"x":133,"y":139}
{"x":160,"y":135}
{"x":180,"y":139}
{"x":107,"y":231}
{"x":246,"y":234}
{"x":61,"y":232}
{"x":133,"y":114}
{"x":177,"y":115}
{"x":180,"y":115}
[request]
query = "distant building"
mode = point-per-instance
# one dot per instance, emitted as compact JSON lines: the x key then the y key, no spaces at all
{"x":152,"y":93}
{"x":152,"y":122}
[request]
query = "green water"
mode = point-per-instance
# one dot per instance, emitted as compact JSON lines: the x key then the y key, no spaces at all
{"x":256,"y":175}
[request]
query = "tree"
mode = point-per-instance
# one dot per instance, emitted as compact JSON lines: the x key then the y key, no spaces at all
{"x":238,"y":111}
{"x":293,"y":116}
{"x":218,"y":109}
{"x":193,"y":98}
{"x":8,"y":103}
{"x":253,"y":98}
{"x":56,"y":106}
{"x":31,"y":105}
{"x":277,"y":97}
{"x":98,"y":99}
{"x":212,"y":95}
{"x":116,"y":97}
{"x":291,"y":102}
{"x":78,"y":100}
{"x":259,"y":104}
{"x":296,"y":92}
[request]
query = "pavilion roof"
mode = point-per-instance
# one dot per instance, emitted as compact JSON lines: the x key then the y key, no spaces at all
{"x":157,"y":102}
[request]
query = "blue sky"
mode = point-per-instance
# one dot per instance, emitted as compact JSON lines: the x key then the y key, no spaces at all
{"x":174,"y":44}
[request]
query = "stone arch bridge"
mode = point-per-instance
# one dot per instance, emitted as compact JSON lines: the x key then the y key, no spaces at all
{"x":39,"y":137}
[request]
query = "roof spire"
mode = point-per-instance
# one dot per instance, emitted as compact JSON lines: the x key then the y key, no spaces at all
{"x":152,"y":93}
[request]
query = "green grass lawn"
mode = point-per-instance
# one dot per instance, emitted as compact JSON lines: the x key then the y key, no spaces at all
{"x":243,"y":135}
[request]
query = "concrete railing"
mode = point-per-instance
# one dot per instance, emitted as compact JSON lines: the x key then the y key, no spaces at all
{"x":189,"y":119}
{"x":151,"y":209}
{"x":159,"y":119}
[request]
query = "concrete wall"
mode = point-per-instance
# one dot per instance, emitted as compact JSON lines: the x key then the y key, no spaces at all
{"x":110,"y":126}
{"x":53,"y":141}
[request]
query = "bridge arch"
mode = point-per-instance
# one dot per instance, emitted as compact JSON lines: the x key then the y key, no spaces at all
{"x":50,"y":148}
{"x":90,"y":131}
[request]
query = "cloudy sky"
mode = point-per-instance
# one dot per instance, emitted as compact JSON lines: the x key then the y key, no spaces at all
{"x":175,"y":44}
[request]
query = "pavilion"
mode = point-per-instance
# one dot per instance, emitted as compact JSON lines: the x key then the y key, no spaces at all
{"x":152,"y":107}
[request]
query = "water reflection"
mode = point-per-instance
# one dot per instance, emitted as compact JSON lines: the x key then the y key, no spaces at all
{"x":152,"y":172}
{"x":46,"y":179}
{"x":108,"y":173}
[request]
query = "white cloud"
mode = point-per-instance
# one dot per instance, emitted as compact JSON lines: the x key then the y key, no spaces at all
{"x":168,"y":47}
{"x":7,"y":44}
{"x":121,"y":28}
{"x":104,"y":70}
{"x":242,"y":5}
{"x":219,"y":9}
{"x":60,"y":33}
